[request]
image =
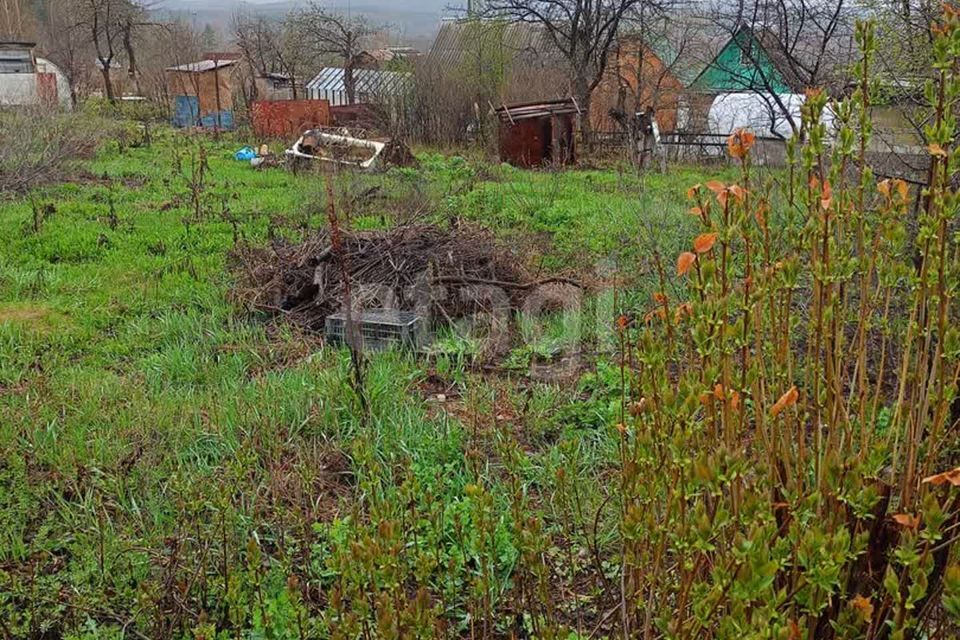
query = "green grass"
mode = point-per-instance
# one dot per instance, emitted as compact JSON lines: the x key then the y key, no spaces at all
{"x":138,"y":405}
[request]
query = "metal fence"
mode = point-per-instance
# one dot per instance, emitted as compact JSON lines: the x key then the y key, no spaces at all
{"x":695,"y":147}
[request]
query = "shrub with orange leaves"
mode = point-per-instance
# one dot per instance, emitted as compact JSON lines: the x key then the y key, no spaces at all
{"x":704,"y":242}
{"x":740,"y":142}
{"x":788,"y":399}
{"x":684,"y":261}
{"x":752,"y":495}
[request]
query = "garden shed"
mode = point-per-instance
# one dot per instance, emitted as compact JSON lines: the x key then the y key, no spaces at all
{"x":28,"y":80}
{"x":203,"y":93}
{"x":538,"y":134}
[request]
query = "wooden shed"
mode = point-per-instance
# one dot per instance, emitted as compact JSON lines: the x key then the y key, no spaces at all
{"x":203,"y":93}
{"x":538,"y":133}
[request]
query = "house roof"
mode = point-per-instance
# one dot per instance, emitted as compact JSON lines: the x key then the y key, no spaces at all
{"x":389,"y":54}
{"x":370,"y":81}
{"x":517,"y":41}
{"x":203,"y":66}
{"x":771,"y":49}
{"x":514,"y":112}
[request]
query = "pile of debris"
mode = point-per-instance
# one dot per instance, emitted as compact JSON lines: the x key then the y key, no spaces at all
{"x":304,"y":281}
{"x":347,"y":148}
{"x":398,"y":154}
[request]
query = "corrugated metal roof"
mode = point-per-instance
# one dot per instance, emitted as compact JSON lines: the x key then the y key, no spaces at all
{"x":513,"y":112}
{"x":519,"y":42}
{"x":367,"y":81}
{"x":203,"y":65}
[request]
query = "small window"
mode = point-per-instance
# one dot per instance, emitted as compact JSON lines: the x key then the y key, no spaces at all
{"x":16,"y":61}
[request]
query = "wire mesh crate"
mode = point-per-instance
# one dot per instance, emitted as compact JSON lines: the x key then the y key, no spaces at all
{"x":379,"y":330}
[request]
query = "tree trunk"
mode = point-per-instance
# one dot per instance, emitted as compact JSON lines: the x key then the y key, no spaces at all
{"x":132,"y":72}
{"x":107,"y":81}
{"x":349,"y":83}
{"x":583,"y":94}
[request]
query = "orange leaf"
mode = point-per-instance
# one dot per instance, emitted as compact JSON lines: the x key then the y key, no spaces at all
{"x":704,"y":242}
{"x":684,"y":309}
{"x":716,"y":186}
{"x":659,"y":312}
{"x":953,"y":477}
{"x":761,"y":213}
{"x":622,"y":322}
{"x":734,"y":400}
{"x":692,"y":191}
{"x":697,"y":211}
{"x":906,"y":520}
{"x":737,"y":192}
{"x":718,"y":391}
{"x":936,"y":150}
{"x":684,"y":262}
{"x":795,"y":631}
{"x":739,"y":143}
{"x":786,"y":400}
{"x":826,"y":195}
{"x":884,"y":187}
{"x":660,"y":297}
{"x":863,"y":606}
{"x":902,"y":189}
{"x":706,"y":399}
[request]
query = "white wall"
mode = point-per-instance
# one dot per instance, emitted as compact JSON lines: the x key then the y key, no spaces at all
{"x":18,"y":89}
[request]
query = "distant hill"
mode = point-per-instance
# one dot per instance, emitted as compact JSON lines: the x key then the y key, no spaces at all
{"x":415,"y":19}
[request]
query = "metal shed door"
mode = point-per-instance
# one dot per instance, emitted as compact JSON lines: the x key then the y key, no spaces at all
{"x":186,"y":111}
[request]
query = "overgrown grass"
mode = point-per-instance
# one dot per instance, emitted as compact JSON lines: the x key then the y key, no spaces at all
{"x":149,"y":425}
{"x":733,"y":461}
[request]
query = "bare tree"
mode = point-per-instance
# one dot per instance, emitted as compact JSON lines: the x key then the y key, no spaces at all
{"x":16,"y":20}
{"x":64,"y":41}
{"x":645,"y":77}
{"x":169,"y":44}
{"x":271,"y":46}
{"x":583,"y":31}
{"x":327,"y":34}
{"x":109,"y":25}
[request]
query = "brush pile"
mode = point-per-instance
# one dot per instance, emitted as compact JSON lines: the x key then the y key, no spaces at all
{"x":405,"y":267}
{"x":398,"y":154}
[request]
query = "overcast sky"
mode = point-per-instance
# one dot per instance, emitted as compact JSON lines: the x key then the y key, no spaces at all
{"x":412,"y":17}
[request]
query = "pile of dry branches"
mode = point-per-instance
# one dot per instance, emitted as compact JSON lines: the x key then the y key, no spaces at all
{"x":411,"y":264}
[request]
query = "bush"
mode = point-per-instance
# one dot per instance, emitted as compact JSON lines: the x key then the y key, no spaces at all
{"x":40,"y":143}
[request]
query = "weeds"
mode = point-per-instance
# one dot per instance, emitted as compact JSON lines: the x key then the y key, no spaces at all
{"x":766,"y":453}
